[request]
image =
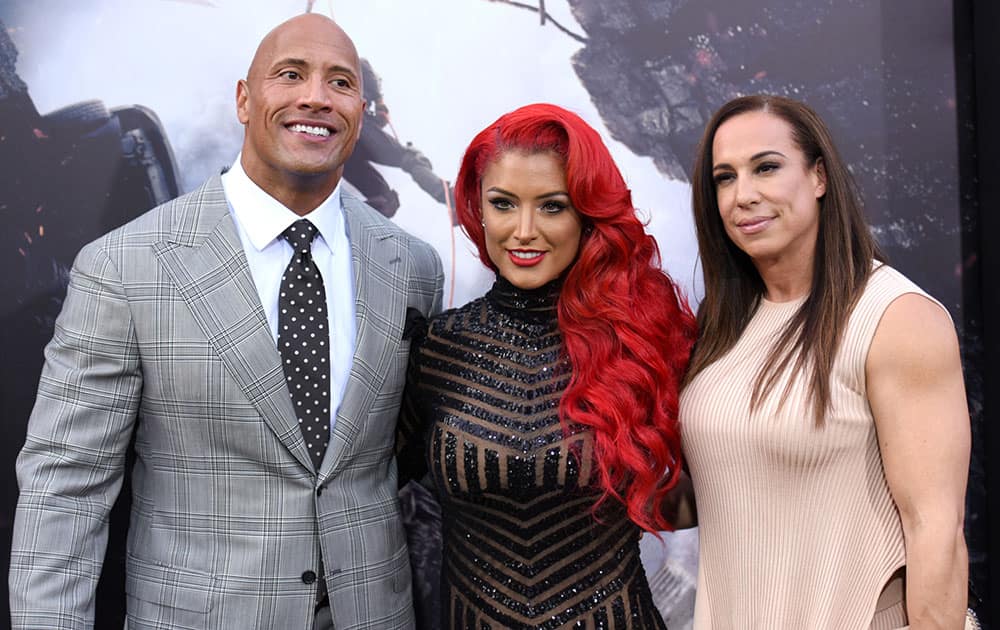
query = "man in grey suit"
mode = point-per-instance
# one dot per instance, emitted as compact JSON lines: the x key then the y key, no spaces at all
{"x":244,"y":514}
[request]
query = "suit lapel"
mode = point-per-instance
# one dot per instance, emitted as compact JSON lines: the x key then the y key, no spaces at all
{"x":204,"y":258}
{"x":380,"y":308}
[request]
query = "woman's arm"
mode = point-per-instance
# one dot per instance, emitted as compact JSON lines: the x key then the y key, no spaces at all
{"x":411,"y":425}
{"x":678,"y":507}
{"x":917,"y":396}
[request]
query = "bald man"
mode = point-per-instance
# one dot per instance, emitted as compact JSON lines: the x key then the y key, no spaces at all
{"x":254,"y":505}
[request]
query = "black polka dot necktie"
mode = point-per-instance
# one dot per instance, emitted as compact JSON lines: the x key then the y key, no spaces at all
{"x":304,"y":340}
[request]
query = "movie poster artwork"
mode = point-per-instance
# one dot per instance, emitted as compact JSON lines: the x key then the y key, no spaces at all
{"x":109,"y":107}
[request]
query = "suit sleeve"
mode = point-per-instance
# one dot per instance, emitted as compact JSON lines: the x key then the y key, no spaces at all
{"x":71,"y":468}
{"x":436,"y":303}
{"x":429,"y":276}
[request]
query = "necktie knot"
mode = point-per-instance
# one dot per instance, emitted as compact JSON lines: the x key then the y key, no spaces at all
{"x":300,"y":235}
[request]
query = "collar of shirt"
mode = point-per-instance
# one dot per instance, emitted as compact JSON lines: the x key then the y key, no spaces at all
{"x":264,"y":218}
{"x":259,"y":220}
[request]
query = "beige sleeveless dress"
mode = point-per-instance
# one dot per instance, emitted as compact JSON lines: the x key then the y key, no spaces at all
{"x":797,"y":525}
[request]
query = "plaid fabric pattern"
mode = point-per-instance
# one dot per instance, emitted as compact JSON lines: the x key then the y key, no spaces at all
{"x":162,"y":336}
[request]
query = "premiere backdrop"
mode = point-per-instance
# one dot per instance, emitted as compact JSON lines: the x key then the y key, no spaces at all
{"x":108,"y":107}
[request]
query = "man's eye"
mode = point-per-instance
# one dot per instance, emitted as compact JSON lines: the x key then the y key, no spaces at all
{"x":290,"y":74}
{"x":341,"y":83}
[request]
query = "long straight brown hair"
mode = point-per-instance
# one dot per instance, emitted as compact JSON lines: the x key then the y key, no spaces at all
{"x":842,"y":262}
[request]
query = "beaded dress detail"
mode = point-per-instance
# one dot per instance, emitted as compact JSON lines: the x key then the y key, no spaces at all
{"x":522,"y":548}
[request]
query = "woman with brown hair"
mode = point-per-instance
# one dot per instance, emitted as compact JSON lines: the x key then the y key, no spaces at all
{"x":823,"y":415}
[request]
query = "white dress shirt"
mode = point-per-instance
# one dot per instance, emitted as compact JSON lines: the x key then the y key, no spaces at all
{"x":260,"y":220}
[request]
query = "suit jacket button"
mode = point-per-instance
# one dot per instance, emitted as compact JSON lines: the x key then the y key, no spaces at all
{"x":308,"y":577}
{"x":319,"y":491}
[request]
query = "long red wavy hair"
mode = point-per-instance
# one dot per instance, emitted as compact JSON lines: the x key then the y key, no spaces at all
{"x":626,"y":329}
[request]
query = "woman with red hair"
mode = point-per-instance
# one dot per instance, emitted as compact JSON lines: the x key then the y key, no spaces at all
{"x":548,"y":407}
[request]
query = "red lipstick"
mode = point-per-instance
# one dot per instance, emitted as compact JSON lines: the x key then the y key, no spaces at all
{"x":527,"y":257}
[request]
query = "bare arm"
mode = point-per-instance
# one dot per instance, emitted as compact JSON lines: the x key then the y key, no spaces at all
{"x":917,"y":396}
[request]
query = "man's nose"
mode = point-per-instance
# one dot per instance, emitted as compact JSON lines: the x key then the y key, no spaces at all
{"x":315,"y":94}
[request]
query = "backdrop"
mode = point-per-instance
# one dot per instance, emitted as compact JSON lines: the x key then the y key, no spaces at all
{"x":108,"y":107}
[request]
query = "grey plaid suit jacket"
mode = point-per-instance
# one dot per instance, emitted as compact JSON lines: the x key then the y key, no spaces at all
{"x":162,"y":335}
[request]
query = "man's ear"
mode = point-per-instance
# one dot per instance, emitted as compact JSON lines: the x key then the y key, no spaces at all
{"x":361,"y":120}
{"x":242,"y":96}
{"x":820,"y":172}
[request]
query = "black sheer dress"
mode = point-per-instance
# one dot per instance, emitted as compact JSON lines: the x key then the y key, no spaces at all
{"x":522,"y":548}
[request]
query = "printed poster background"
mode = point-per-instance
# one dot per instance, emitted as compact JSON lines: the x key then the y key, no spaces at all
{"x":79,"y":157}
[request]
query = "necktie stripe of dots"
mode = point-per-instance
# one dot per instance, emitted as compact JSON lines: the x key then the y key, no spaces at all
{"x":303,"y":339}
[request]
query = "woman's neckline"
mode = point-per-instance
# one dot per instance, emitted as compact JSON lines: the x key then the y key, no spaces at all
{"x":784,"y":304}
{"x":542,"y":300}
